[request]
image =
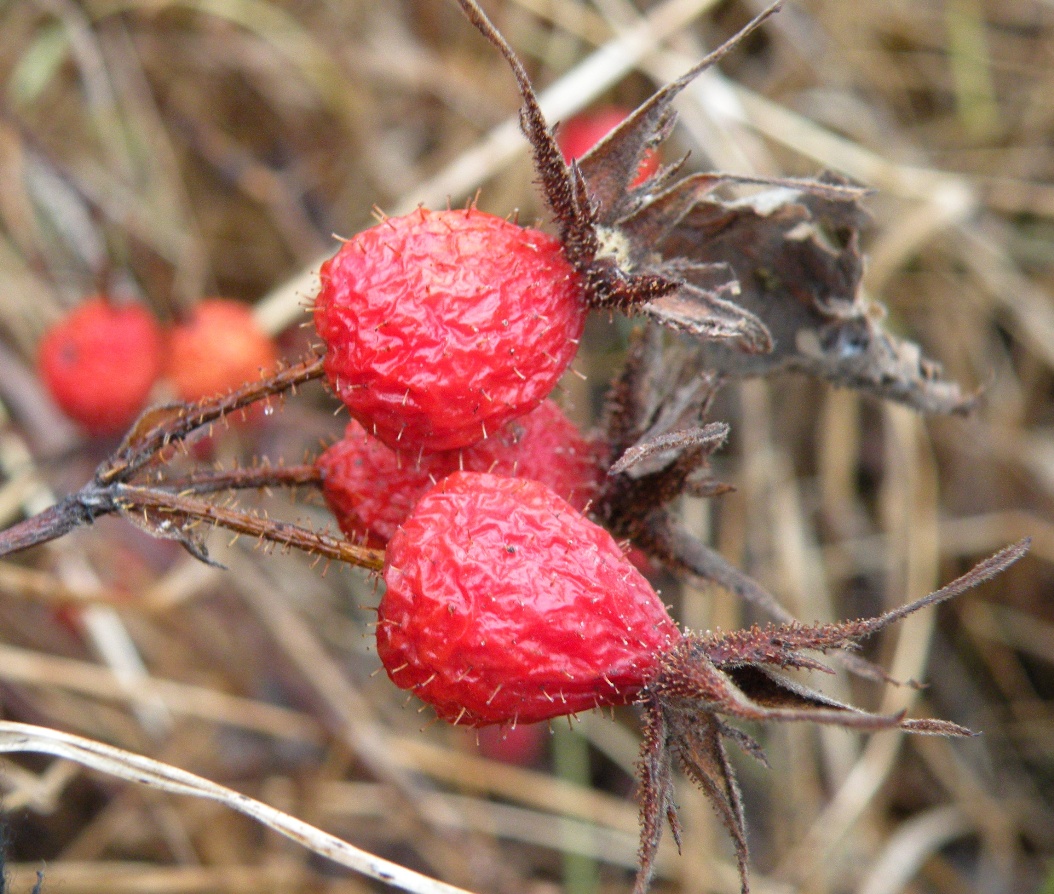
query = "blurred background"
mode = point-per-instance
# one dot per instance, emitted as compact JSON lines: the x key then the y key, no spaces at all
{"x":171,"y":151}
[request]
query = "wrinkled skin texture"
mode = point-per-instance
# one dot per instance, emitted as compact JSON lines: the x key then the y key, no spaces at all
{"x":506,"y":605}
{"x":218,"y":348}
{"x":441,"y":326}
{"x":371,"y":488}
{"x":100,"y":363}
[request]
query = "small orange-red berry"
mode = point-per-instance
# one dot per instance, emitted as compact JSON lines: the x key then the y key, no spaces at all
{"x":100,"y":362}
{"x":218,"y":348}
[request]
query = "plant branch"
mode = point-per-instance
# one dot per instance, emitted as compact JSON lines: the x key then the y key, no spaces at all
{"x":161,"y":426}
{"x":54,"y":522}
{"x":157,"y":429}
{"x":182,"y":510}
{"x":262,"y":476}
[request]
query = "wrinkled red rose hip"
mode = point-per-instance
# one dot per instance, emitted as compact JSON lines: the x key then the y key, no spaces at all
{"x":504,"y":604}
{"x":371,"y":488}
{"x":441,"y":326}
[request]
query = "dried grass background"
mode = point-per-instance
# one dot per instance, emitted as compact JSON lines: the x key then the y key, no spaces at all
{"x":175,"y":149}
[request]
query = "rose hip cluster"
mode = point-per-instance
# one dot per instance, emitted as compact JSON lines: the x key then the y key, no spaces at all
{"x":102,"y":361}
{"x":445,"y":333}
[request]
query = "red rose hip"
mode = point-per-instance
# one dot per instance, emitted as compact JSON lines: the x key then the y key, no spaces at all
{"x":218,"y":348}
{"x":505,"y":604}
{"x":100,"y":362}
{"x":441,"y":326}
{"x":371,"y":488}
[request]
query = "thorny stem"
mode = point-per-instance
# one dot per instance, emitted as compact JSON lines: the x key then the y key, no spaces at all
{"x":180,"y":507}
{"x":171,"y":508}
{"x":161,"y":426}
{"x":262,"y":476}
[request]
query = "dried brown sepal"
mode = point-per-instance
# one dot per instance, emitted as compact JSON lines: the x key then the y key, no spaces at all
{"x":678,"y":551}
{"x":656,"y":430}
{"x":705,"y":678}
{"x":796,"y":257}
{"x":710,"y":313}
{"x":671,"y":730}
{"x":590,"y":200}
{"x":662,"y":388}
{"x":660,"y":450}
{"x":782,"y":645}
{"x":656,"y":790}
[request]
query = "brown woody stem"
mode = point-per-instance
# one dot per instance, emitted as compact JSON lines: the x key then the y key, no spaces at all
{"x":52,"y":523}
{"x":158,"y":428}
{"x":264,"y":476}
{"x":183,"y":508}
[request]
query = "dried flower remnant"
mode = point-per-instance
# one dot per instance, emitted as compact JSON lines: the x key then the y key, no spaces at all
{"x":707,"y":678}
{"x":598,"y":211}
{"x":759,"y":281}
{"x":504,"y":604}
{"x":796,"y":257}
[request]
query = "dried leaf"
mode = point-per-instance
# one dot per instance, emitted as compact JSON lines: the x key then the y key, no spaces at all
{"x":796,"y":257}
{"x":661,"y":450}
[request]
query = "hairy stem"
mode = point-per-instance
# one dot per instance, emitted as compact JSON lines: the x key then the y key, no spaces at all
{"x":262,"y":476}
{"x":184,"y":509}
{"x":161,"y":426}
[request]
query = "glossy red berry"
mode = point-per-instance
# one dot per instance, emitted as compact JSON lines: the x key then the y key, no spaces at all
{"x":372,"y":488}
{"x":218,"y":348}
{"x":505,"y":604}
{"x":441,"y":326}
{"x":100,"y":362}
{"x":582,"y":132}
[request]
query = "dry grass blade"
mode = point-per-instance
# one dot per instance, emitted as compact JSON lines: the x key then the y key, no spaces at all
{"x":21,"y":737}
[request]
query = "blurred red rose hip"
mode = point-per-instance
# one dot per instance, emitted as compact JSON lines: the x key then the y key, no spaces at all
{"x":100,"y":362}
